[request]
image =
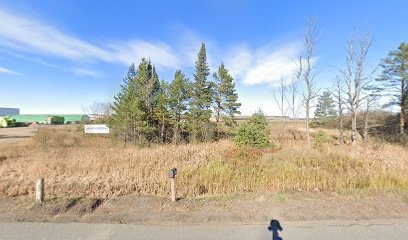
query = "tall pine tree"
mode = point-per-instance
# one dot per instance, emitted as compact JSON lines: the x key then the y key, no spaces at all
{"x":128,"y":120}
{"x":148,"y":87}
{"x":134,"y":106}
{"x":179,"y":94}
{"x":225,"y":97}
{"x":200,"y":106}
{"x":162,"y":113}
{"x":394,"y":81}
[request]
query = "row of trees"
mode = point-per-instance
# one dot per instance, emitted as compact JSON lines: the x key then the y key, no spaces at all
{"x":148,"y":110}
{"x":359,"y":91}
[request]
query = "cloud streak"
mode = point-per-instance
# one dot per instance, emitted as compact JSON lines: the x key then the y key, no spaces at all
{"x":6,"y":71}
{"x":266,"y":65}
{"x":32,"y":36}
{"x":83,"y":72}
{"x":263,"y":65}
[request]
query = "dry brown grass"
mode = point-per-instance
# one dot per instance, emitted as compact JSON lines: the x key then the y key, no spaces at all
{"x":76,"y":165}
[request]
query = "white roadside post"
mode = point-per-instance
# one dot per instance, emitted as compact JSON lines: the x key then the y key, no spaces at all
{"x":172,"y":174}
{"x":39,"y":191}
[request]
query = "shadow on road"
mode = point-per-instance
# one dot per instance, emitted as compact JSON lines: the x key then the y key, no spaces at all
{"x":274,"y":227}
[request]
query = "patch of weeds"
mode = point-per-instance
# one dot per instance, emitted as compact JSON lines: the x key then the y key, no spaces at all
{"x":345,"y":191}
{"x":354,"y":192}
{"x":282,"y":198}
{"x":224,"y":197}
{"x":405,"y":199}
{"x":51,"y":199}
{"x":321,"y":139}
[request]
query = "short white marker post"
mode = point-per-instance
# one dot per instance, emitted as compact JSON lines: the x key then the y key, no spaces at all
{"x":173,"y":189}
{"x":39,"y":191}
{"x":172,"y":174}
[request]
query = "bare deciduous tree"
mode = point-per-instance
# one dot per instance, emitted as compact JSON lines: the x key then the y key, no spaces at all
{"x":293,"y":90}
{"x":340,"y":108}
{"x":355,"y":76}
{"x":310,"y":38}
{"x":102,"y":109}
{"x":279,"y":95}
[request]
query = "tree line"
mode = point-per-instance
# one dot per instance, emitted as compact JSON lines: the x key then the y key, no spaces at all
{"x":148,"y":110}
{"x":356,"y":91}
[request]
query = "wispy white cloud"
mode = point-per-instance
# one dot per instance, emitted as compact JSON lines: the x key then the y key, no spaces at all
{"x":86,"y":72}
{"x":266,"y":65}
{"x":159,"y":53}
{"x":188,"y":44}
{"x":6,"y":71}
{"x":32,"y":36}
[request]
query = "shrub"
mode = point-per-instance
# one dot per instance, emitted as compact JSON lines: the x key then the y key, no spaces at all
{"x":321,"y":138}
{"x":254,"y":132}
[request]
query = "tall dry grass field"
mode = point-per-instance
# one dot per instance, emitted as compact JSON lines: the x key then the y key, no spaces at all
{"x":77,"y":165}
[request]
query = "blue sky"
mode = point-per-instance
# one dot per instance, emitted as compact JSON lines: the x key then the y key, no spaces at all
{"x":60,"y":56}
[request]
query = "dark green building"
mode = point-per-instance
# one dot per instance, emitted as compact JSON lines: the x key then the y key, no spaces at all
{"x":42,"y":118}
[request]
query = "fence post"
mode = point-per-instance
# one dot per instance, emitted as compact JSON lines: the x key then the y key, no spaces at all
{"x":173,"y":189}
{"x":172,"y":174}
{"x":39,"y":191}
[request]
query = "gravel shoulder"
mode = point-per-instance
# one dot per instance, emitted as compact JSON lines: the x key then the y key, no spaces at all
{"x":246,"y":208}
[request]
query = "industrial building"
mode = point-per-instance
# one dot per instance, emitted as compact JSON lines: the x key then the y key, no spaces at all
{"x":7,"y":111}
{"x":49,"y":118}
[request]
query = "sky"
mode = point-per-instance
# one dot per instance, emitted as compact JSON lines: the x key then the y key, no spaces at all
{"x":62,"y":56}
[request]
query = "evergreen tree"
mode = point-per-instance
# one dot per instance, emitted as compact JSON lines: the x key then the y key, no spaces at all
{"x":394,"y":80}
{"x":254,"y":132}
{"x":128,"y":120}
{"x":225,"y":96}
{"x":200,"y":111}
{"x":162,"y":113}
{"x":147,"y":88}
{"x":135,"y":105}
{"x":179,"y":94}
{"x":325,"y":108}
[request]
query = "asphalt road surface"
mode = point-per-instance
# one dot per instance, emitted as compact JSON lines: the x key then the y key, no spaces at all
{"x":319,"y":230}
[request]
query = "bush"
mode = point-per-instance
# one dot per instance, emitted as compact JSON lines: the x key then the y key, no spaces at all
{"x":321,"y":138}
{"x":312,"y":124}
{"x":254,"y":132}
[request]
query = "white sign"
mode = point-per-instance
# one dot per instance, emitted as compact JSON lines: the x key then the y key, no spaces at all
{"x":96,"y":128}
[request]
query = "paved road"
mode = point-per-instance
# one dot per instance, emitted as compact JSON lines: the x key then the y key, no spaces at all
{"x":318,"y":230}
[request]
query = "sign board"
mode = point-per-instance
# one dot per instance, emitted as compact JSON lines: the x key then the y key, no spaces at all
{"x":96,"y":128}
